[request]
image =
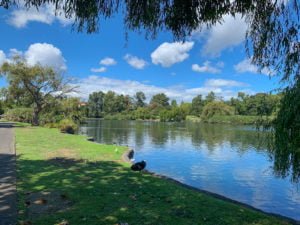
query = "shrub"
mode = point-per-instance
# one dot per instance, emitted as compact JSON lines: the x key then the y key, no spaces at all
{"x":142,"y":113}
{"x":193,"y":118}
{"x":216,"y":109}
{"x":51,"y":125}
{"x":19,"y":115}
{"x":173,"y":115}
{"x":50,"y":118}
{"x":68,"y":126}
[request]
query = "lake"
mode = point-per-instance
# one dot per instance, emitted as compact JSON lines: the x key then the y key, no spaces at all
{"x":232,"y":161}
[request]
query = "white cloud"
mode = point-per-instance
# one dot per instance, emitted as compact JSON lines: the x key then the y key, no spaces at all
{"x":2,"y":57}
{"x":46,"y":55}
{"x":108,"y":61}
{"x":21,"y":17}
{"x":206,"y":68}
{"x":97,"y":83}
{"x":15,"y":52}
{"x":168,"y":54}
{"x":246,"y":66}
{"x":229,"y":33}
{"x":135,"y":61}
{"x":224,"y":83}
{"x":98,"y":70}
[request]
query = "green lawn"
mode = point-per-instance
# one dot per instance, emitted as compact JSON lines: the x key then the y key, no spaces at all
{"x":66,"y":178}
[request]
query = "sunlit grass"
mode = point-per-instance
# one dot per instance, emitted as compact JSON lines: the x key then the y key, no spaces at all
{"x":103,"y":190}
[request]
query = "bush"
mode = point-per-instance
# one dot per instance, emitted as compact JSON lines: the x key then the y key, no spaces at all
{"x":119,"y":116}
{"x":142,"y":114}
{"x":23,"y":115}
{"x":51,"y":125}
{"x":50,"y":118}
{"x":173,"y":115}
{"x":191,"y":118}
{"x":216,"y":109}
{"x":68,"y":126}
{"x":237,"y":119}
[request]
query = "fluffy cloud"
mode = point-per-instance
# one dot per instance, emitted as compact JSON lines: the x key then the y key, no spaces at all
{"x":2,"y":57}
{"x":108,"y":61}
{"x":168,"y":54}
{"x":223,"y":83}
{"x":21,"y":17}
{"x":228,"y":33}
{"x":225,"y":88}
{"x":98,"y":70}
{"x":135,"y":61}
{"x":14,"y":52}
{"x":207,"y":68}
{"x":39,"y":53}
{"x":246,"y":66}
{"x":46,"y":55}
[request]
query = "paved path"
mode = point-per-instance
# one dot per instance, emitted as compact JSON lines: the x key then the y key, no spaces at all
{"x":8,"y":198}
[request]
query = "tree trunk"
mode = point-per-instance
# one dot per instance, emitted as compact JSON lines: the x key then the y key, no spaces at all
{"x":35,"y":121}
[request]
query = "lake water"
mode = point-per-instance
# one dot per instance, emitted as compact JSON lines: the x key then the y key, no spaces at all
{"x":232,"y":161}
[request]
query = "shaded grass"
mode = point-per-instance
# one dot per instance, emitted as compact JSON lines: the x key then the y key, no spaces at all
{"x":103,"y":190}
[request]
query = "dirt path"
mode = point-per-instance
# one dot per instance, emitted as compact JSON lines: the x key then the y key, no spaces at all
{"x":8,"y":195}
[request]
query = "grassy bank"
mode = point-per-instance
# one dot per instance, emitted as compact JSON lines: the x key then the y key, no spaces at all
{"x":234,"y":119}
{"x":65,"y":178}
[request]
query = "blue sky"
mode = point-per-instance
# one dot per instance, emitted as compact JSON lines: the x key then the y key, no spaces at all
{"x":210,"y":60}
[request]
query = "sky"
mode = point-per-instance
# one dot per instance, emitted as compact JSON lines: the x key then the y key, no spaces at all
{"x":209,"y":60}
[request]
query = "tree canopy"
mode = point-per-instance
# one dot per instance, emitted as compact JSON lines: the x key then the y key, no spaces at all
{"x":38,"y":85}
{"x":273,"y":25}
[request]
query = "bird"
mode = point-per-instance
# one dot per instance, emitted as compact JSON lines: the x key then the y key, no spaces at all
{"x":139,"y":166}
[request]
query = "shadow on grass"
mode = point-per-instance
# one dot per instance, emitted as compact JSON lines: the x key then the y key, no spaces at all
{"x":107,"y":192}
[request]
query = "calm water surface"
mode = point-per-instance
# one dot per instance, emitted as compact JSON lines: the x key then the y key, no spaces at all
{"x":228,"y":160}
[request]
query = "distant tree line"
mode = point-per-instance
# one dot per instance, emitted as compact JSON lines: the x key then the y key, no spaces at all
{"x":111,"y":105}
{"x":39,"y":95}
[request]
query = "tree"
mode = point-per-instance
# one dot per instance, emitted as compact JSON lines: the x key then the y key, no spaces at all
{"x":96,"y":104}
{"x":174,"y":103}
{"x":197,"y":105}
{"x":110,"y":102}
{"x":286,"y":150}
{"x":159,"y":100}
{"x":186,"y":107}
{"x":3,"y":94}
{"x":37,"y":82}
{"x":1,"y":107}
{"x":71,"y":109}
{"x":210,"y":97}
{"x":272,"y":35}
{"x":272,"y":38}
{"x":123,"y":102}
{"x":175,"y":114}
{"x":216,"y":108}
{"x":140,"y":99}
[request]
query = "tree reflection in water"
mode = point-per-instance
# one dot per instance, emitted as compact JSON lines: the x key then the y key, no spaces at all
{"x":286,"y":161}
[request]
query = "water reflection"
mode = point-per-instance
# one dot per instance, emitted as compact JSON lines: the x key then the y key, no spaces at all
{"x":229,"y":160}
{"x":119,"y":132}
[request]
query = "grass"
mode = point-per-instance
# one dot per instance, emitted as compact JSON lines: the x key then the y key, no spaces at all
{"x":101,"y":189}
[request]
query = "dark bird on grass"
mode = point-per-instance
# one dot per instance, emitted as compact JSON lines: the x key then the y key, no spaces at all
{"x":139,"y":166}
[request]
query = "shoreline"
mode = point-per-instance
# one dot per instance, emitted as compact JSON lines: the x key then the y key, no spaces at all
{"x":176,"y":193}
{"x":228,"y":120}
{"x":127,"y":156}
